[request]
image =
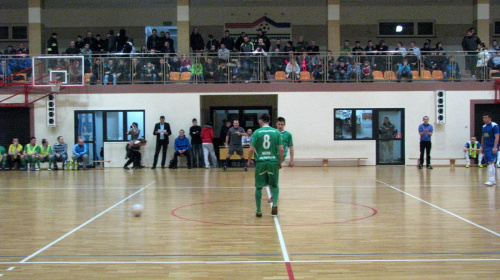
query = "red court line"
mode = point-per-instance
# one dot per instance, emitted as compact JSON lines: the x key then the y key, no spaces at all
{"x":290,"y":271}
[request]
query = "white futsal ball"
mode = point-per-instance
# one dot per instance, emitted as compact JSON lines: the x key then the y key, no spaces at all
{"x":137,"y":210}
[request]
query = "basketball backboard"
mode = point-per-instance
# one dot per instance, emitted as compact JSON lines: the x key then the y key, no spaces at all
{"x":69,"y":70}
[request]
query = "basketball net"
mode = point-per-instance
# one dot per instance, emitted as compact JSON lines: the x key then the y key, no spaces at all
{"x":55,"y":86}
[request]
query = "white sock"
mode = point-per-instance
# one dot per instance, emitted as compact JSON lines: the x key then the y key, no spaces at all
{"x":491,"y":172}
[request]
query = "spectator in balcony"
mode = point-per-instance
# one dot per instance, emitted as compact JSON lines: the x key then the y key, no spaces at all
{"x":265,"y":39}
{"x":185,"y":63}
{"x":163,"y":69}
{"x":416,"y":50}
{"x":228,"y":41}
{"x":439,"y":49}
{"x":175,"y":64}
{"x":91,"y":41}
{"x":452,"y":70}
{"x":413,"y":60}
{"x":212,"y":44}
{"x":10,"y":51}
{"x":23,"y":62}
{"x":237,"y":71}
{"x":318,"y":71}
{"x":345,"y":48}
{"x":196,"y":41}
{"x":331,"y":70}
{"x":358,"y":49}
{"x":149,"y":73}
{"x":483,"y":56}
{"x":289,"y":47}
{"x":277,"y":61}
{"x":404,"y":71}
{"x":96,"y":71}
{"x":370,"y":51}
{"x":366,"y":73}
{"x":261,"y":60}
{"x":75,"y":72}
{"x":168,"y":39}
{"x":122,"y":72}
{"x":153,"y":57}
{"x":111,"y":40}
{"x":222,"y":73}
{"x":144,"y":50}
{"x":247,"y":49}
{"x":313,"y":49}
{"x":197,"y":71}
{"x":223,"y":53}
{"x":52,"y":46}
{"x":470,"y":45}
{"x":167,"y":48}
{"x":398,"y":54}
{"x":292,"y":69}
{"x":153,"y":41}
{"x":121,"y":41}
{"x":5,"y":71}
{"x":79,"y":42}
{"x":426,"y":50}
{"x":87,"y":53}
{"x":239,"y":41}
{"x":210,"y":70}
{"x":342,"y":71}
{"x":301,"y":45}
{"x":129,"y":47}
{"x":278,"y":45}
{"x":381,"y":59}
{"x":23,"y":50}
{"x":136,"y":68}
{"x":100,"y":44}
{"x":110,"y":71}
{"x":494,"y":48}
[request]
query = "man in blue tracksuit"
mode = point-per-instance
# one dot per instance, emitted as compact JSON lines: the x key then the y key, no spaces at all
{"x":182,"y":147}
{"x":489,"y":146}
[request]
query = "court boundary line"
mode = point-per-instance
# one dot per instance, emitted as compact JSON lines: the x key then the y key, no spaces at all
{"x":84,"y":224}
{"x":441,"y":209}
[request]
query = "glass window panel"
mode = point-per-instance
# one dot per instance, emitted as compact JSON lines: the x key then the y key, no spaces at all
{"x":114,"y":126}
{"x":364,"y":124}
{"x":425,"y":28}
{"x":86,"y":126}
{"x":390,"y":151}
{"x":396,"y":28}
{"x":4,"y":32}
{"x":343,"y":124}
{"x":389,"y":125}
{"x":19,"y":32}
{"x":137,"y":117}
{"x":251,"y":118}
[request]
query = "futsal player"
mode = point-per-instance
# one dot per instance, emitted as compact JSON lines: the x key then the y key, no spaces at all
{"x":489,"y":146}
{"x":267,"y":148}
{"x":287,"y":139}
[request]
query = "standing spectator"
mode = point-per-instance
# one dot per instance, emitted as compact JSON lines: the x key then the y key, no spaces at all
{"x":161,"y":131}
{"x":382,"y":51}
{"x":163,"y":38}
{"x":79,"y":42}
{"x":233,"y":143}
{"x":153,"y":41}
{"x":289,"y":47}
{"x":167,"y":38}
{"x":3,"y":158}
{"x":265,"y":39}
{"x":452,"y":70}
{"x":346,"y":48}
{"x":398,"y":54}
{"x":425,"y":131}
{"x":416,"y":50}
{"x":129,"y":47}
{"x":228,"y":41}
{"x":91,"y":41}
{"x":207,"y":134}
{"x":100,"y":44}
{"x":482,"y":63}
{"x":226,"y":125}
{"x":470,"y":44}
{"x":358,"y":49}
{"x":87,"y":53}
{"x":223,"y":53}
{"x":111,"y":40}
{"x":278,"y":45}
{"x":23,"y":50}
{"x":489,"y":146}
{"x":387,"y":132}
{"x":212,"y":44}
{"x":182,"y":147}
{"x":196,"y":41}
{"x":301,"y":45}
{"x":247,"y":49}
{"x":121,"y":40}
{"x":404,"y":71}
{"x":59,"y":152}
{"x":196,"y":144}
{"x":239,"y":41}
{"x":312,"y":49}
{"x":80,"y":154}
{"x":52,"y":47}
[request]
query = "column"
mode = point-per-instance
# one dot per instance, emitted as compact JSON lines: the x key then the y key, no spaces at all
{"x":183,"y":31}
{"x":333,"y":25}
{"x":36,"y":43}
{"x":482,"y":20}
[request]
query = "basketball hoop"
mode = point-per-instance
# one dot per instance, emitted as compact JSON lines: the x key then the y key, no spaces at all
{"x":55,"y":86}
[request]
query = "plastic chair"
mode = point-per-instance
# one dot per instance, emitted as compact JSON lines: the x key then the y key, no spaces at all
{"x":305,"y":76}
{"x":437,"y":75}
{"x":174,"y":76}
{"x":415,"y":74}
{"x":185,"y":76}
{"x":280,"y":76}
{"x":426,"y":75}
{"x":389,"y":75}
{"x":378,"y":75}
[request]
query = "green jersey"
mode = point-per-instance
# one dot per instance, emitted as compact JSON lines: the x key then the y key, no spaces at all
{"x":30,"y":149}
{"x":266,"y":141}
{"x":45,"y":151}
{"x":2,"y":151}
{"x":286,"y":138}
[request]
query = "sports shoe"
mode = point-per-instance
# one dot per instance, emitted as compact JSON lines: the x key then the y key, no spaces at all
{"x":498,"y":165}
{"x":224,"y":168}
{"x":37,"y":169}
{"x":126,"y":168}
{"x":48,"y":169}
{"x":467,"y":166}
{"x":420,"y":166}
{"x":480,"y":166}
{"x":274,"y":211}
{"x":489,"y":183}
{"x":245,"y":168}
{"x":207,"y":167}
{"x":270,"y":200}
{"x":429,"y":167}
{"x":258,"y":214}
{"x":33,"y":168}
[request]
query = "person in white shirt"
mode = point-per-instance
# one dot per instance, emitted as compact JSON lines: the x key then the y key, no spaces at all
{"x":247,"y":139}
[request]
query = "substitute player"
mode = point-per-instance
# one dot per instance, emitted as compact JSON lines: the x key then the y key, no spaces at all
{"x":472,"y":149}
{"x":287,"y":139}
{"x":267,"y":147}
{"x":489,"y":146}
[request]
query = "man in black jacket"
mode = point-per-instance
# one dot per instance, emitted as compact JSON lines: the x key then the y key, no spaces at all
{"x":52,"y":47}
{"x":161,"y":131}
{"x":196,"y":41}
{"x":153,"y":41}
{"x":267,"y":42}
{"x":196,"y":144}
{"x":228,"y":41}
{"x":470,"y":46}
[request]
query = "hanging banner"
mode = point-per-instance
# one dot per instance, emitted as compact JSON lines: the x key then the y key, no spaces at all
{"x":273,"y":30}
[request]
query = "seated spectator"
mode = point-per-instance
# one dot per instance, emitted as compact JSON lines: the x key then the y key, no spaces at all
{"x":3,"y":158}
{"x":166,"y":38}
{"x":277,"y":61}
{"x":197,"y":71}
{"x":358,"y":49}
{"x":175,"y":64}
{"x":416,"y":50}
{"x":494,"y":48}
{"x":182,"y":148}
{"x":134,"y":154}
{"x":426,"y":50}
{"x":237,"y":71}
{"x":79,"y":42}
{"x":149,"y":73}
{"x":45,"y":154}
{"x":278,"y":45}
{"x":75,"y":73}
{"x":22,"y":49}
{"x":483,"y":56}
{"x":494,"y":63}
{"x":9,"y":51}
{"x":144,"y":50}
{"x":413,"y":60}
{"x":23,"y":62}
{"x":289,"y":47}
{"x":136,"y":69}
{"x":432,"y":61}
{"x":87,"y":53}
{"x":167,"y":48}
{"x":222,"y":73}
{"x":72,"y":50}
{"x":312,"y":49}
{"x":91,"y":41}
{"x":452,"y":70}
{"x":31,"y":152}
{"x":305,"y":62}
{"x":80,"y":154}
{"x":292,"y":69}
{"x":96,"y":71}
{"x":380,"y":60}
{"x":342,"y":71}
{"x":163,"y":71}
{"x":209,"y":70}
{"x":212,"y":45}
{"x":247,"y":139}
{"x":185,"y":63}
{"x":366,"y":72}
{"x":404,"y":71}
{"x":153,"y":57}
{"x":5,"y":72}
{"x":318,"y":71}
{"x":345,"y":48}
{"x":330,"y":57}
{"x":398,"y":54}
{"x":301,"y":45}
{"x":59,"y":152}
{"x":223,"y":53}
{"x":122,"y":72}
{"x":439,"y":49}
{"x":472,"y":149}
{"x":332,"y":70}
{"x":15,"y":155}
{"x":110,"y":71}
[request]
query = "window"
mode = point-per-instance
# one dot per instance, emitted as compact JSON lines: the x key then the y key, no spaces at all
{"x":343,"y":124}
{"x":117,"y":123}
{"x":497,"y":27}
{"x":4,"y":33}
{"x":406,"y":28}
{"x":13,"y":33}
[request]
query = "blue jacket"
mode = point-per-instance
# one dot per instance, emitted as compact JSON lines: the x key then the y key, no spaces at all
{"x":182,"y":144}
{"x":5,"y":72}
{"x":79,"y":151}
{"x":402,"y":68}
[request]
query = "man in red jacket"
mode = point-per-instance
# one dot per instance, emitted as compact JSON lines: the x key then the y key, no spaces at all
{"x":207,"y":134}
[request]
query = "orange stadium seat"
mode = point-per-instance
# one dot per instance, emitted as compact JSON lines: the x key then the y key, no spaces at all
{"x":416,"y":76}
{"x":185,"y":76}
{"x":305,"y":76}
{"x":493,"y":72}
{"x":280,"y":76}
{"x":174,"y":76}
{"x":437,"y":75}
{"x":426,"y":75}
{"x":389,"y":75}
{"x":378,"y":76}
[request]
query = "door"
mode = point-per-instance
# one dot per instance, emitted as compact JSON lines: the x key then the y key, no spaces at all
{"x":390,"y":137}
{"x":85,"y":128}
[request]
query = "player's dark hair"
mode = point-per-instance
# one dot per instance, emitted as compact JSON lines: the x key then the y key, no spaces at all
{"x":265,"y":118}
{"x":44,"y":141}
{"x":33,"y":137}
{"x":59,"y":137}
{"x":281,"y":119}
{"x":487,"y":114}
{"x":194,"y":120}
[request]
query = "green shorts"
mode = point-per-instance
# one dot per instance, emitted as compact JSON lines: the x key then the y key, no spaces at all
{"x":45,"y":159}
{"x":267,"y":173}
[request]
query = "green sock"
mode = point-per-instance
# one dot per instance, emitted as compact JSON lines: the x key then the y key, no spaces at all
{"x":37,"y":161}
{"x":258,"y":197}
{"x":4,"y":162}
{"x":23,"y":162}
{"x":275,"y":191}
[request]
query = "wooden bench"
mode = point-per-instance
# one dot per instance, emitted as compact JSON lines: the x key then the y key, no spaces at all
{"x":325,"y":161}
{"x":452,"y":160}
{"x":101,"y":163}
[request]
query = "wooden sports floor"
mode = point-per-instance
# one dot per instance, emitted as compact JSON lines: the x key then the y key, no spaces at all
{"x":385,"y":222}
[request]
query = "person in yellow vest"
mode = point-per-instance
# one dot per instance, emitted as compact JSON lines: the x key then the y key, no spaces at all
{"x":3,"y":157}
{"x":472,"y":149}
{"x":15,"y":154}
{"x":31,"y":152}
{"x":45,"y":154}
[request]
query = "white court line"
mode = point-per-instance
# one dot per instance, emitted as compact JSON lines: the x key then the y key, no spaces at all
{"x":11,"y":268}
{"x":256,"y":262}
{"x":278,"y":229}
{"x":179,"y":188}
{"x":444,"y":210}
{"x":84,"y":224}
